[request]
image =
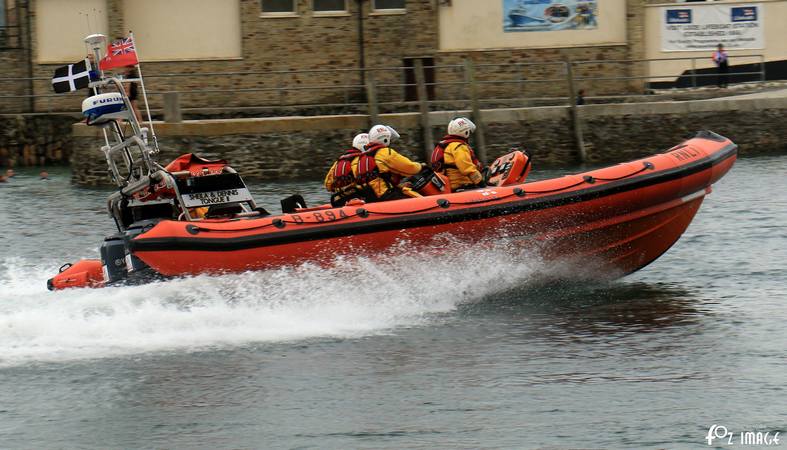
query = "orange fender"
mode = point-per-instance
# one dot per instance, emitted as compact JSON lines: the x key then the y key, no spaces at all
{"x":84,"y":273}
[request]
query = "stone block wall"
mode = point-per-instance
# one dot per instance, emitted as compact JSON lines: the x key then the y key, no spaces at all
{"x":11,"y":69}
{"x":303,"y":42}
{"x":280,"y":152}
{"x":13,"y":61}
{"x":303,"y":148}
{"x":35,"y":140}
{"x":311,"y":42}
{"x":542,"y":64}
{"x":621,"y":138}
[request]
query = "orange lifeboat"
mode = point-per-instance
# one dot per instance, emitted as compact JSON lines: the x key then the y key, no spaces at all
{"x":622,"y":217}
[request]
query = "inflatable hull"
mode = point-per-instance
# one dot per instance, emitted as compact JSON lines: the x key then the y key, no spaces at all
{"x":621,"y":217}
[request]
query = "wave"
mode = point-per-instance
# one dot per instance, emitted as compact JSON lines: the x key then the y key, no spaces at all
{"x":352,"y":297}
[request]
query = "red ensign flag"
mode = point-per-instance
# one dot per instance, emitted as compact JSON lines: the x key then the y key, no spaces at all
{"x":120,"y":53}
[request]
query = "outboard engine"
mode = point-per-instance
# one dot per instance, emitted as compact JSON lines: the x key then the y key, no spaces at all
{"x":134,"y":264}
{"x":113,"y":258}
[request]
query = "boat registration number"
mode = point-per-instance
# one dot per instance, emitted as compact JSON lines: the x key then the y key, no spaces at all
{"x":216,"y":197}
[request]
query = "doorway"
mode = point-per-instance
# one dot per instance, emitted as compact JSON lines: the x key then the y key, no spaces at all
{"x":411,"y":90}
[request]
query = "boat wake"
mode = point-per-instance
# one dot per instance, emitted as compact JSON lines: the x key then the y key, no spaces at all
{"x":353,"y":297}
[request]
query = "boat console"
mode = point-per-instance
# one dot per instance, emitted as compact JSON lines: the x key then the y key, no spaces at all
{"x":190,"y":188}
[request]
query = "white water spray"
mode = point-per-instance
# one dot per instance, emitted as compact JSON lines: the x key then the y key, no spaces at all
{"x":354,"y":297}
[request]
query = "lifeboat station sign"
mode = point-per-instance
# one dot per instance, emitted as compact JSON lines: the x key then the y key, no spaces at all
{"x":704,"y":27}
{"x":549,"y":15}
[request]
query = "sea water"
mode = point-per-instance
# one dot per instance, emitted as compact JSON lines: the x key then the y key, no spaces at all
{"x":419,"y":350}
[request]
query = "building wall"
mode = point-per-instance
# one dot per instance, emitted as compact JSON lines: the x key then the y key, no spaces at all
{"x":306,"y":41}
{"x":773,"y":14}
{"x":464,"y":25}
{"x":547,"y":61}
{"x":160,"y":38}
{"x":13,"y":59}
{"x":271,"y":46}
{"x":61,"y":25}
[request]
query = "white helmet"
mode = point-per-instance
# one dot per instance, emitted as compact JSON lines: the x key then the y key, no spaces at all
{"x":360,"y":141}
{"x":461,"y":126}
{"x":382,"y":134}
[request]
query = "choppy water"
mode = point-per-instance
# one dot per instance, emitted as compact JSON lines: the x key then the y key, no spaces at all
{"x":417,"y":351}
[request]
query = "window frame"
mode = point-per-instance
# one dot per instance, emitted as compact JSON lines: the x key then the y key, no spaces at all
{"x":384,"y":11}
{"x":332,"y":12}
{"x":274,"y":14}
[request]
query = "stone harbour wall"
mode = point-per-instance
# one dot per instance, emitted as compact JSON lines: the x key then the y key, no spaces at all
{"x":303,"y":148}
{"x":624,"y":132}
{"x":35,"y":140}
{"x":265,"y":149}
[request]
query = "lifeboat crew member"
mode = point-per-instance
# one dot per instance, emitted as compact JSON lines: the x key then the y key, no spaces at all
{"x":454,"y":157}
{"x":340,"y":181}
{"x":379,"y":169}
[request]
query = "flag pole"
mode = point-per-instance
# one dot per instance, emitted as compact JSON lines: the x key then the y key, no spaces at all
{"x":144,"y":94}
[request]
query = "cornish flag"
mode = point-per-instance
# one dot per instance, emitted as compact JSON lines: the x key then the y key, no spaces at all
{"x":120,"y":53}
{"x":72,"y":77}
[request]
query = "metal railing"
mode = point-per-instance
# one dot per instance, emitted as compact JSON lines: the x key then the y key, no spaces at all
{"x":394,"y":89}
{"x":758,"y":62}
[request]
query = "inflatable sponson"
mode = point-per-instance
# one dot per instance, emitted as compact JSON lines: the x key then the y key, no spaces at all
{"x":103,"y":108}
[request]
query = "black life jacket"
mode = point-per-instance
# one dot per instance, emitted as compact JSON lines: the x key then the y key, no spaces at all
{"x":438,"y":154}
{"x":343,"y":172}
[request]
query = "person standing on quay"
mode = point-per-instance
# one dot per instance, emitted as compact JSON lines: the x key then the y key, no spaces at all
{"x":722,"y":66}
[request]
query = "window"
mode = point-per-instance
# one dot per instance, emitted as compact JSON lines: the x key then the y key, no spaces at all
{"x":388,"y":4}
{"x":321,"y":6}
{"x":278,"y":7}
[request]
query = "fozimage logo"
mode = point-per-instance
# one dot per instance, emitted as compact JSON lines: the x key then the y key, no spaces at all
{"x":742,"y":438}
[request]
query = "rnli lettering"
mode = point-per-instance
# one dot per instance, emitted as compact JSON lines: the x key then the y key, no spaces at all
{"x":685,"y":154}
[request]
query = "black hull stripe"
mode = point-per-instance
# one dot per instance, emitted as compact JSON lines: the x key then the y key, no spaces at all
{"x":334,"y":230}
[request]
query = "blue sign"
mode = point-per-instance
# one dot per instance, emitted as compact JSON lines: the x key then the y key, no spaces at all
{"x":678,"y":16}
{"x":744,"y":14}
